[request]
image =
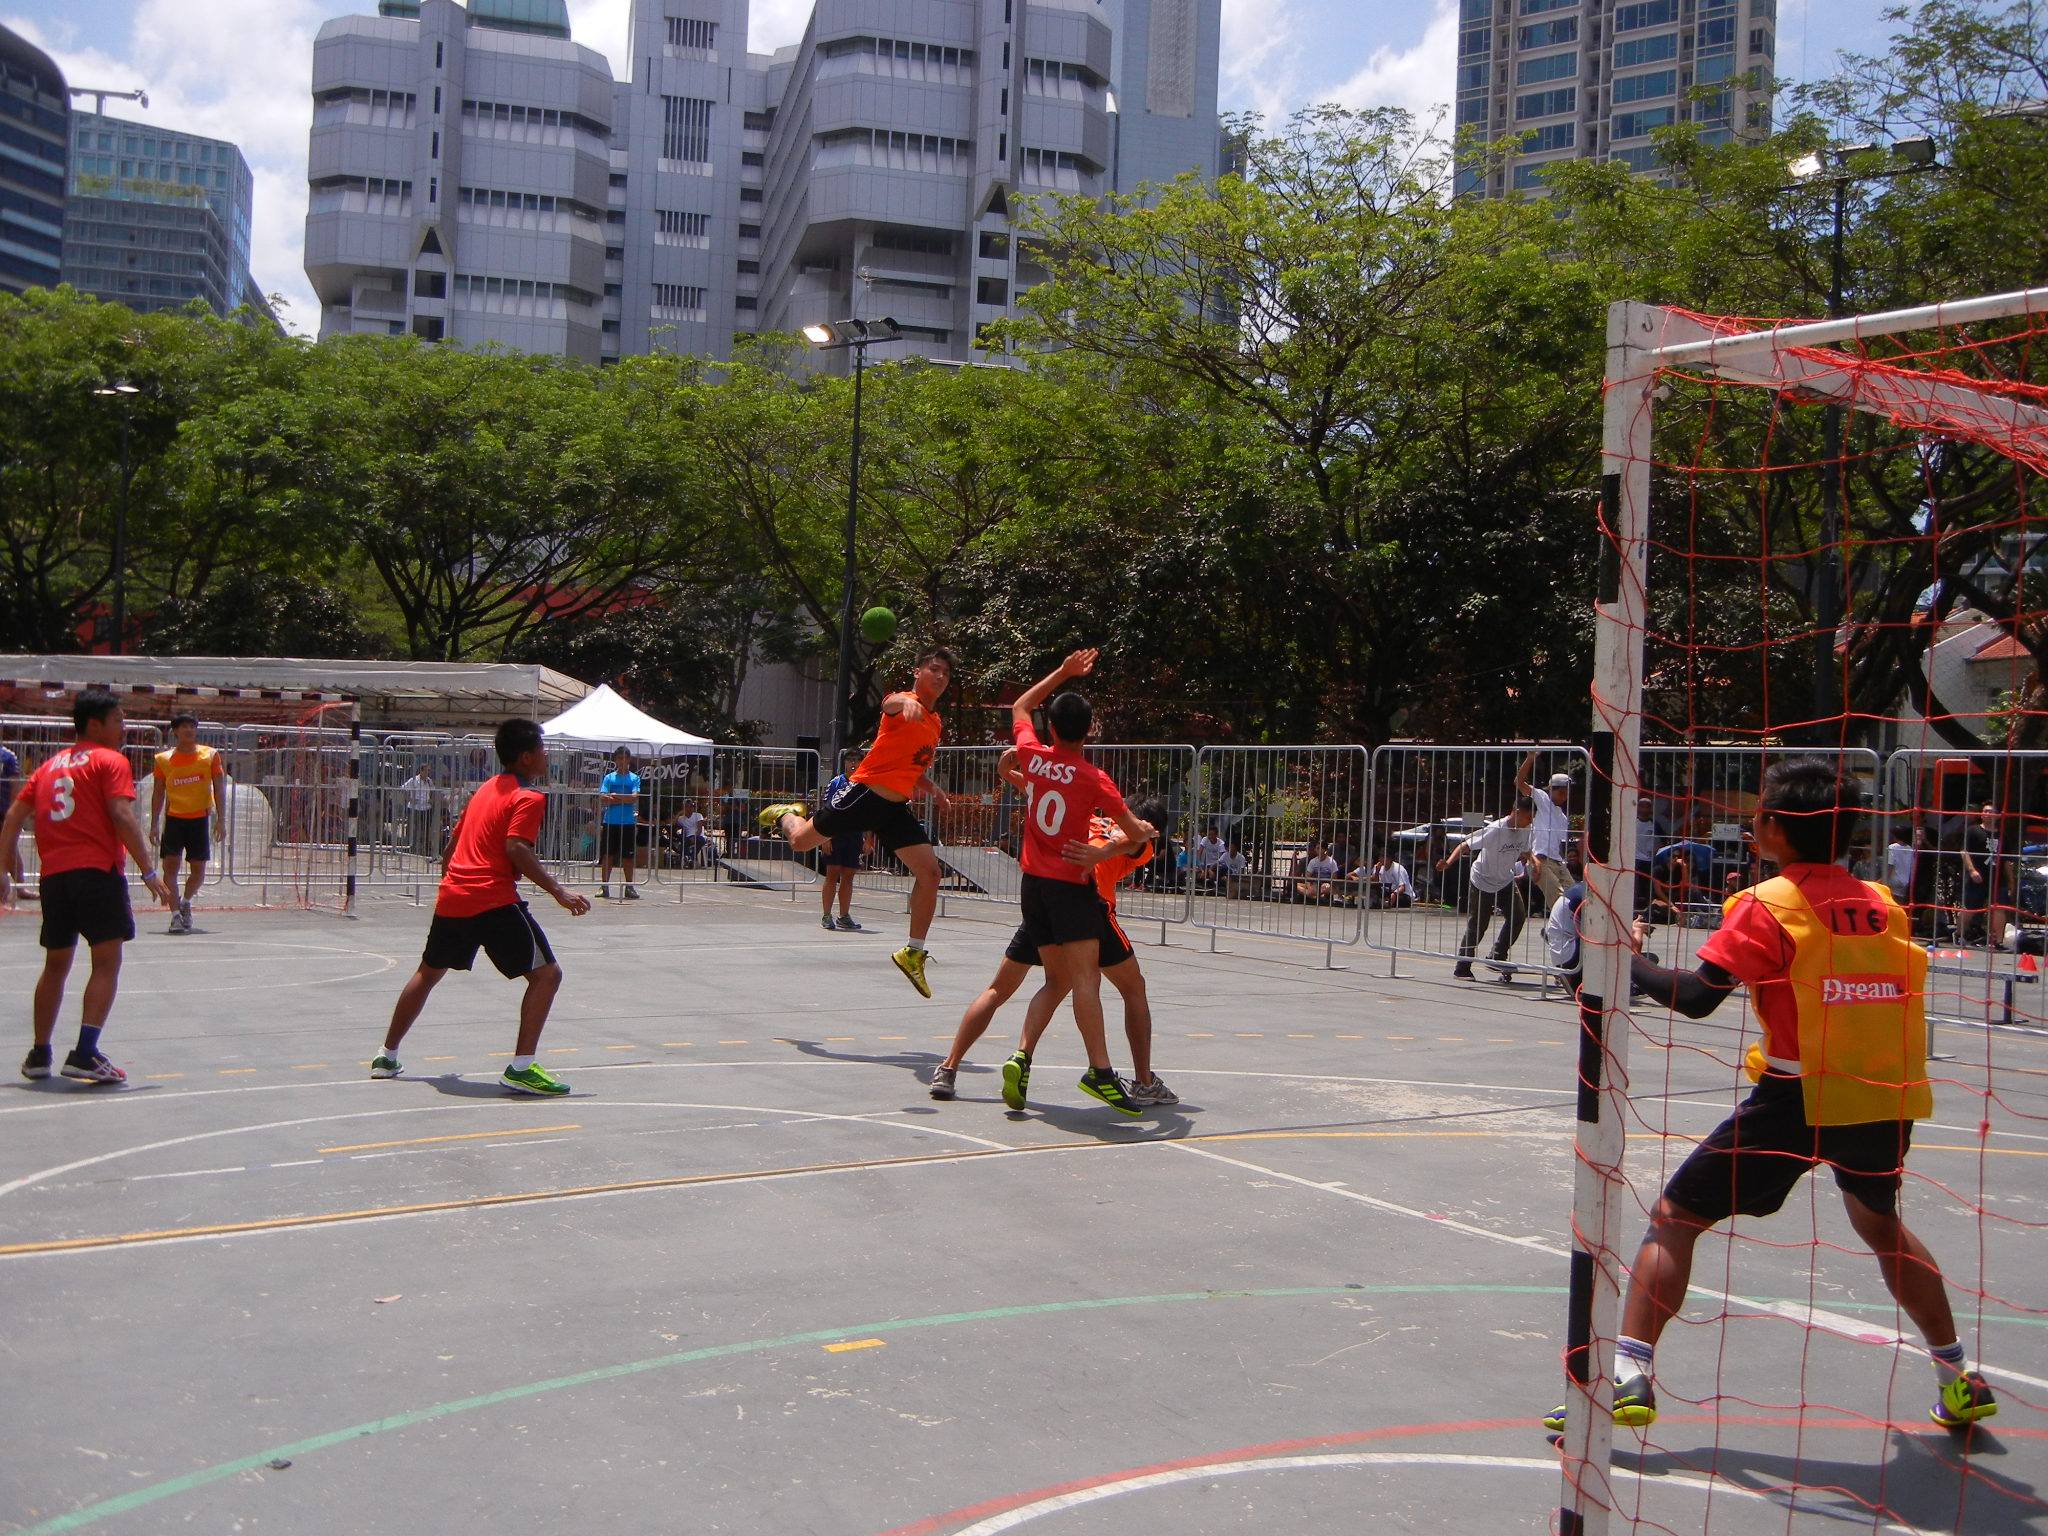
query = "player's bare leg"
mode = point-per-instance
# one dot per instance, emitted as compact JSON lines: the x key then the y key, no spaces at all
{"x":50,"y":993}
{"x":412,"y":997}
{"x":542,"y":983}
{"x":923,"y":865}
{"x":982,"y":1011}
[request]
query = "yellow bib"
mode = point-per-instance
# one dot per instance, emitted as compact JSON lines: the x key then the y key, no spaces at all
{"x":1861,"y":997}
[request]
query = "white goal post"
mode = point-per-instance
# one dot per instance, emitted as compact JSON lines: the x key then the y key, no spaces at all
{"x":1644,"y":340}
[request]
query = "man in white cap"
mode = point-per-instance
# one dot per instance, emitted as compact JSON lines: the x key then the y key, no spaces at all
{"x":1552,"y":827}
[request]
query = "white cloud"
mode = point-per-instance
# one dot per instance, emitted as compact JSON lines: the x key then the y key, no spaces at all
{"x":1259,"y":44}
{"x":237,"y":70}
{"x":1416,"y":79}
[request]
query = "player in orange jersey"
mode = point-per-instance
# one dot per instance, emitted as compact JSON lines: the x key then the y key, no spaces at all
{"x":876,"y":798}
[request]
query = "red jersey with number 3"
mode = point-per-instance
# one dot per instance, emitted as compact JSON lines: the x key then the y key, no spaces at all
{"x":480,"y":875}
{"x":71,"y":793}
{"x":1064,"y":791}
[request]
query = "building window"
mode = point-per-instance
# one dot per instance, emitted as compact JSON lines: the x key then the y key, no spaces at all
{"x":991,"y":290}
{"x":676,"y":228}
{"x":1646,"y":50}
{"x":429,"y":327}
{"x":690,"y":34}
{"x":430,"y":285}
{"x":886,"y":148}
{"x":758,"y":122}
{"x":686,"y":129}
{"x":1565,"y":29}
{"x":1552,"y":66}
{"x":437,"y":101}
{"x":752,"y":157}
{"x":746,"y":301}
{"x":1633,"y":125}
{"x":750,"y":231}
{"x":1644,"y":87}
{"x":437,"y":54}
{"x":1546,"y":103}
{"x":750,"y":194}
{"x":747,"y":268}
{"x":1537,"y":7}
{"x":679,"y":299}
{"x":1646,"y":13}
{"x":1551,"y":136}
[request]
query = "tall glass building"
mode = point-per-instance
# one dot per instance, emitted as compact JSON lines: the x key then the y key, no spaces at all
{"x":158,"y":218}
{"x":35,"y":115}
{"x":1594,"y":79}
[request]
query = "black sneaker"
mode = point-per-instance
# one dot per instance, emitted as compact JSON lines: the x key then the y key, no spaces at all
{"x":1105,"y":1085}
{"x":632,"y":893}
{"x":1016,"y":1080}
{"x":36,"y":1064}
{"x":942,"y":1081}
{"x":92,"y":1069}
{"x":1462,"y":972}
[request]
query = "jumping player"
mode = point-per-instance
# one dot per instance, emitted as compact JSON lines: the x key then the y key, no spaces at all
{"x":1113,"y":860}
{"x":876,"y":797}
{"x":479,"y":908}
{"x":186,"y":803}
{"x":83,"y":804}
{"x":1062,"y":912}
{"x":1838,"y":986}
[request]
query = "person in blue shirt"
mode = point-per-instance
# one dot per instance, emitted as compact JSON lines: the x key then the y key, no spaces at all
{"x":619,"y":834}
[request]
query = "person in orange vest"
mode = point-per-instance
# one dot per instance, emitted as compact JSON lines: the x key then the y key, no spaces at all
{"x":1839,"y":989}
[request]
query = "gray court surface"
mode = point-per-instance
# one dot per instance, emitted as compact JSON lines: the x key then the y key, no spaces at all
{"x":750,"y":1277}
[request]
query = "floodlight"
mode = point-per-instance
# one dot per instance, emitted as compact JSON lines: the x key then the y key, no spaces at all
{"x":818,"y":334}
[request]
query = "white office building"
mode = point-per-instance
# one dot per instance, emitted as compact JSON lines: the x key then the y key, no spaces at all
{"x":477,"y":176}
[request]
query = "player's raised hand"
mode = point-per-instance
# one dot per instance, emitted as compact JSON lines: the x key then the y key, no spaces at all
{"x":1087,"y":855}
{"x":1079,"y":663}
{"x":575,"y":903}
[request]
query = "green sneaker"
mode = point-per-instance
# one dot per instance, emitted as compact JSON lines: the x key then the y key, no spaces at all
{"x":1108,"y":1087}
{"x":911,"y":963}
{"x":1016,"y":1080}
{"x":1964,"y":1400}
{"x":536,"y":1080}
{"x":386,"y":1065}
{"x":770,"y":820}
{"x":1635,"y":1406}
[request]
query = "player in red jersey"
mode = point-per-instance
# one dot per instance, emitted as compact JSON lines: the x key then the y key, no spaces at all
{"x":1062,"y":911}
{"x":479,"y":908}
{"x":876,"y":798}
{"x":83,"y":804}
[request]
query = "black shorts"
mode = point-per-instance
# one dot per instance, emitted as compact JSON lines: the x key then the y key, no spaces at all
{"x":89,"y":904}
{"x":186,"y":837}
{"x":844,"y":852}
{"x":1754,"y":1158}
{"x":859,"y":809}
{"x":509,"y":935}
{"x":1115,"y":947}
{"x":617,"y":841}
{"x":1061,"y":911}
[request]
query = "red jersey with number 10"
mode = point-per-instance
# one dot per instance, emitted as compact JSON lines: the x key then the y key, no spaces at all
{"x":71,"y":793}
{"x":1064,"y":790}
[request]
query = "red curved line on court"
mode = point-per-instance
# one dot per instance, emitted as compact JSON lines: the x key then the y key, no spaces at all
{"x":1009,"y":1501}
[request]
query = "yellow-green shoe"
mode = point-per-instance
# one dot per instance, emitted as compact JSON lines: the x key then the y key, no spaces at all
{"x":911,"y":963}
{"x":536,"y":1080}
{"x":1964,"y":1400}
{"x":770,"y":820}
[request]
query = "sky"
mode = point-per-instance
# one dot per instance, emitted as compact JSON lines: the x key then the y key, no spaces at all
{"x":240,"y":70}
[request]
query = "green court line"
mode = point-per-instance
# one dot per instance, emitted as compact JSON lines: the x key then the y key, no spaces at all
{"x":92,"y":1514}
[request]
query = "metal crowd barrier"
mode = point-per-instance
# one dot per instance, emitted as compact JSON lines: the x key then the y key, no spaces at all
{"x":1275,"y":832}
{"x":1426,"y":800}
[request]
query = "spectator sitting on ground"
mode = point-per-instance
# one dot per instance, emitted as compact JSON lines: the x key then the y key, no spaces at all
{"x":1322,"y":872}
{"x":1209,"y":853}
{"x":1386,"y":881}
{"x":691,"y":838}
{"x":1234,"y":874}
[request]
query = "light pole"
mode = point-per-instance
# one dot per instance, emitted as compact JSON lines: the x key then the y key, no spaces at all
{"x":854,"y":336}
{"x":1915,"y":156}
{"x":125,"y":394}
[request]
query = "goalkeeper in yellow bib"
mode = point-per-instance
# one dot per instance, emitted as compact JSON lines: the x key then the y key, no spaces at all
{"x":1838,"y":987}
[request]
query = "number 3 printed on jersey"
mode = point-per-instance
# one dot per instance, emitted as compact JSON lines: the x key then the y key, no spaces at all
{"x":63,"y":803}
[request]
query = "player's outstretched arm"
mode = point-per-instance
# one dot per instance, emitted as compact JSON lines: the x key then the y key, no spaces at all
{"x":523,"y":858}
{"x":1077,"y":664}
{"x":1457,"y":853}
{"x":1008,"y":771}
{"x":1694,"y":993}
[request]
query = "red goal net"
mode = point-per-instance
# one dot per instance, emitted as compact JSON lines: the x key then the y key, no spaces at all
{"x":1818,"y":540}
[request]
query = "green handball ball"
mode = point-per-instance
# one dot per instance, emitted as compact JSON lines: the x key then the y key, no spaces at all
{"x":878,"y":625}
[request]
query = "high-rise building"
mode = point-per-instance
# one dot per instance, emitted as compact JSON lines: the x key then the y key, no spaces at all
{"x":458,"y":174}
{"x":35,"y":135}
{"x":158,"y":218}
{"x":870,"y":169}
{"x":1593,"y":79}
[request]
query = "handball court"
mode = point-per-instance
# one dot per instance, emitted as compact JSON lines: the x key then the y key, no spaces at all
{"x":750,"y":1277}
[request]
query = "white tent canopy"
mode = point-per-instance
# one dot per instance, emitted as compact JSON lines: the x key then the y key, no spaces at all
{"x":604,"y":721}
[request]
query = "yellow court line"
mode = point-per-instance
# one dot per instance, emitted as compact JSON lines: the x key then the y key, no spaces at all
{"x":421,"y":1141}
{"x":749,"y":1042}
{"x":618,"y":1047}
{"x":829,"y":1040}
{"x":311,"y":1066}
{"x":1400,"y":1037}
{"x":1351,"y":1037}
{"x":1300,"y":1037}
{"x":563,"y":1050}
{"x":1201,"y":1034}
{"x":162,"y":1077}
{"x":235,"y":1071}
{"x":849,"y":1344}
{"x":528,"y":1197}
{"x":892,"y":1037}
{"x":437,"y":1058}
{"x":677,"y":1045}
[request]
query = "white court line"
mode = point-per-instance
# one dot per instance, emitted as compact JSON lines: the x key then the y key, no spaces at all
{"x":1818,"y":1318}
{"x":797,"y":1115}
{"x":304,"y":1162}
{"x":1010,"y":1519}
{"x":542,"y":1142}
{"x":189,"y":1173}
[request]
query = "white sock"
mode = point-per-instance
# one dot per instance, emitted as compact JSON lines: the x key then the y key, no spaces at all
{"x":520,"y":1063}
{"x":1949,"y":1361}
{"x":1632,"y":1357}
{"x":916,"y":945}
